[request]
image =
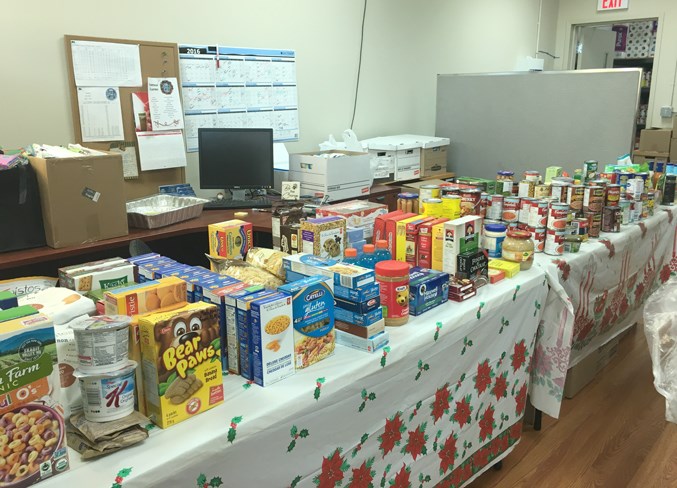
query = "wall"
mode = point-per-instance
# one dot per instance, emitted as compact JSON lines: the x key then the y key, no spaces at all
{"x":663,"y":89}
{"x":407,"y":43}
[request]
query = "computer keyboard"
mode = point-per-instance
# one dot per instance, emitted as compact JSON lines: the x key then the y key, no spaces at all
{"x":230,"y":204}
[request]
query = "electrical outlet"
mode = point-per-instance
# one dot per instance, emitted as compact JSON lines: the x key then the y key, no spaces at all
{"x":666,"y":111}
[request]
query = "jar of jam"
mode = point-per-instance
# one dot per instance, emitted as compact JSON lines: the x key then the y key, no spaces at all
{"x":393,"y":280}
{"x":518,"y":247}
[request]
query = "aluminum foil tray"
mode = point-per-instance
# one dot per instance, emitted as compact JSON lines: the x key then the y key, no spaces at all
{"x":162,"y":210}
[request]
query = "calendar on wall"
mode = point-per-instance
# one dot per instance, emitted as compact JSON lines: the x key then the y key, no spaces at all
{"x":232,"y":87}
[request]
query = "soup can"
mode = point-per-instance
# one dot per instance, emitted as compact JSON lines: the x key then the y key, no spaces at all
{"x":575,"y":194}
{"x":650,"y":202}
{"x":449,"y":190}
{"x":594,"y":223}
{"x":526,"y":189}
{"x":626,"y":210}
{"x":428,"y":191}
{"x":451,"y":206}
{"x":511,"y":208}
{"x":635,"y":188}
{"x":495,"y":207}
{"x":432,"y":207}
{"x":581,"y":228}
{"x":554,"y":242}
{"x":541,"y":191}
{"x":613,"y":195}
{"x":559,"y":189}
{"x":611,"y":219}
{"x":593,"y":199}
{"x":484,"y":203}
{"x":531,"y":175}
{"x":590,"y":170}
{"x":599,"y":182}
{"x":470,"y":201}
{"x":538,"y":214}
{"x":557,"y":216}
{"x":525,"y":210}
{"x":538,"y":236}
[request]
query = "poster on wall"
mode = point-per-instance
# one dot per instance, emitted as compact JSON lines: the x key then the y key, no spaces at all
{"x":231,"y":87}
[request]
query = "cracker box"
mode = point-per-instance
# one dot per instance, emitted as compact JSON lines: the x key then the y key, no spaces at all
{"x":243,"y":317}
{"x":105,"y":278}
{"x":424,"y":247}
{"x":313,"y":316}
{"x":438,"y":246}
{"x":369,"y":344}
{"x":361,"y":331}
{"x":460,"y":235}
{"x":357,"y":318}
{"x":272,"y":339}
{"x":180,"y":353}
{"x":29,"y":389}
{"x":91,"y":265}
{"x":510,"y":268}
{"x":230,"y":239}
{"x":8,"y":300}
{"x":427,"y":289}
{"x":324,"y":237}
{"x":363,"y":307}
{"x":358,"y":213}
{"x":146,"y":297}
{"x":346,"y":275}
{"x":473,"y":265}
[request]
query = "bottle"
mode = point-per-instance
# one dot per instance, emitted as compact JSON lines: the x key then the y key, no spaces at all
{"x":382,"y":253}
{"x":368,"y":259}
{"x":350,"y":255}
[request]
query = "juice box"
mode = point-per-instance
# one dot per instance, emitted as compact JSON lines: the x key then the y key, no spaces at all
{"x":230,"y":239}
{"x":272,"y":339}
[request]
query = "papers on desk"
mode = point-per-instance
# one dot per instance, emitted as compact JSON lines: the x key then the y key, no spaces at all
{"x":165,"y":105}
{"x":100,"y":113}
{"x":161,"y":150}
{"x":105,"y":64}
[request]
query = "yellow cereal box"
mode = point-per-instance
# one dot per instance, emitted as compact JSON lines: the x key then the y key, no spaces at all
{"x":181,"y":352}
{"x":401,"y":237}
{"x":230,"y":239}
{"x":438,"y":246}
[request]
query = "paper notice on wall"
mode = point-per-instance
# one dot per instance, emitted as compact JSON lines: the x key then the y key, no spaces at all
{"x":127,"y":150}
{"x":165,"y":104}
{"x":106,"y":64}
{"x":100,"y":113}
{"x":161,"y":150}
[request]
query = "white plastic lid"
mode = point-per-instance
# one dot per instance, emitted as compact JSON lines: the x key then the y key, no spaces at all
{"x":101,"y":322}
{"x":126,"y":369}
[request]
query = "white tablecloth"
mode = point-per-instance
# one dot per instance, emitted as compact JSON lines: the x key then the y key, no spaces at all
{"x":594,"y":295}
{"x":443,"y":402}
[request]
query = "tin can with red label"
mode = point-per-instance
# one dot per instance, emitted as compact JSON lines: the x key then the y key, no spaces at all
{"x":593,"y":199}
{"x":525,"y":209}
{"x":538,"y":214}
{"x":531,"y":175}
{"x":554,"y":242}
{"x":495,"y":207}
{"x":613,"y":195}
{"x":594,"y":223}
{"x":538,"y":236}
{"x":575,"y":194}
{"x":484,"y":203}
{"x":557,"y":216}
{"x":511,"y":208}
{"x":470,"y":202}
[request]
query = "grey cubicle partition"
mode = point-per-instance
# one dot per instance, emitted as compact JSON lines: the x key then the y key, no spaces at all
{"x":530,"y":120}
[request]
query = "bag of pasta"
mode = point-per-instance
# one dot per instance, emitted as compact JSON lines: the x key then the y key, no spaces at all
{"x":268,"y":260}
{"x":243,"y":271}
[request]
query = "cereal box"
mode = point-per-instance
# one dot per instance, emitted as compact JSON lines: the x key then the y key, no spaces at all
{"x":437,"y":246}
{"x":243,"y":315}
{"x":272,"y":339}
{"x":104,"y":278}
{"x":232,"y":340}
{"x":180,"y":361}
{"x":346,"y":275}
{"x":313,"y":314}
{"x":358,"y":213}
{"x":400,"y":253}
{"x":427,"y":289}
{"x":230,"y":239}
{"x":324,"y":237}
{"x":28,"y":395}
{"x":460,"y":235}
{"x":424,"y":248}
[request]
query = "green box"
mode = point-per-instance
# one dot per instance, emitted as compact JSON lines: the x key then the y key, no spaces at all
{"x":487,"y":186}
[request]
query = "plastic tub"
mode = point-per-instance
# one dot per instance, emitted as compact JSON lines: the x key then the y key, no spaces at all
{"x":102,"y":343}
{"x":107,"y":396}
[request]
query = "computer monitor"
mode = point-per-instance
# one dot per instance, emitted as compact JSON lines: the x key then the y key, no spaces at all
{"x":236,"y":159}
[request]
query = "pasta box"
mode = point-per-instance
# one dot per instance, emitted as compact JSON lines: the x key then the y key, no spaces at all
{"x":346,"y":275}
{"x":230,"y":239}
{"x":427,"y":289}
{"x":272,"y":339}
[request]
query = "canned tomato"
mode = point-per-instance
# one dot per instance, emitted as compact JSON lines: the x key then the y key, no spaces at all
{"x":541,"y":191}
{"x":470,"y":202}
{"x":432,"y":207}
{"x":557,"y":216}
{"x":645,"y":205}
{"x":495,"y":207}
{"x":575,"y":194}
{"x":538,"y":236}
{"x":589,"y":170}
{"x":534,"y":176}
{"x":613,"y":195}
{"x":626,"y":210}
{"x":594,"y":223}
{"x":451,"y":206}
{"x":525,"y":210}
{"x":611,"y":219}
{"x":554,"y":242}
{"x":526,"y":189}
{"x":650,"y":202}
{"x":593,"y":199}
{"x":538,"y":214}
{"x":635,"y":188}
{"x":428,"y":191}
{"x":511,"y":208}
{"x":559,"y":189}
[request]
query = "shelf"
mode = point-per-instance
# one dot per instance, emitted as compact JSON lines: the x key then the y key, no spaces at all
{"x":633,"y":60}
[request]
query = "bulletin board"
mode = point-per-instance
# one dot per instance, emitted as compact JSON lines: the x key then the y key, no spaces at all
{"x":158,"y":59}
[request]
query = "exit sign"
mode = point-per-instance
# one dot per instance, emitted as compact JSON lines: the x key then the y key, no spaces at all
{"x":603,"y":5}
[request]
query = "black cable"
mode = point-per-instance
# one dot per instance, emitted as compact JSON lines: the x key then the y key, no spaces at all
{"x":359,"y":65}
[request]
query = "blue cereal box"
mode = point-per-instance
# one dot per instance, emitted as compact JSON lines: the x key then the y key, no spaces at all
{"x":346,"y":275}
{"x":428,"y":288}
{"x":272,"y":339}
{"x":358,"y":318}
{"x":244,"y":330}
{"x":313,"y":319}
{"x":358,"y":307}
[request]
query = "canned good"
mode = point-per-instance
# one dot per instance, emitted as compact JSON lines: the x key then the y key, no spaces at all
{"x":534,"y":176}
{"x":407,"y":202}
{"x":611,"y":219}
{"x":669,"y":189}
{"x":526,"y":189}
{"x":484,"y":203}
{"x":525,"y":210}
{"x":623,"y":177}
{"x":512,"y":225}
{"x":554,"y":242}
{"x":538,"y":236}
{"x":558,"y":189}
{"x":610,"y":177}
{"x":449,"y":190}
{"x":599,"y":182}
{"x":451,"y":206}
{"x":626,"y":210}
{"x":557,"y":216}
{"x":541,"y":191}
{"x":581,"y":226}
{"x":650,"y":202}
{"x":593,"y":199}
{"x":594,"y":223}
{"x":589,"y":170}
{"x":504,"y":181}
{"x":644,"y":175}
{"x":495,"y":207}
{"x":572,"y":243}
{"x":432,"y":207}
{"x":494,"y":235}
{"x":645,"y":206}
{"x":470,"y":202}
{"x":538,"y":213}
{"x":505,"y":176}
{"x":637,"y":210}
{"x":515,"y":188}
{"x":635,"y":188}
{"x":575,"y":194}
{"x":578,"y":176}
{"x":511,"y":208}
{"x":428,"y":191}
{"x":613,"y":195}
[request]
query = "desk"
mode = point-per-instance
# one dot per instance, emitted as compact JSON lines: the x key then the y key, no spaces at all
{"x":442,"y":404}
{"x":595,"y":295}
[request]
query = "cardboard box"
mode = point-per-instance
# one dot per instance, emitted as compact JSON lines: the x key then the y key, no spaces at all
{"x":359,"y":330}
{"x":371,"y":344}
{"x":487,"y":186}
{"x":425,"y":243}
{"x":405,"y":153}
{"x":400,"y":247}
{"x":438,"y":246}
{"x":586,"y":370}
{"x":146,"y":297}
{"x":673,"y":150}
{"x":411,"y":250}
{"x":82,"y":199}
{"x":473,"y":265}
{"x":427,"y":289}
{"x":361,"y":294}
{"x":272,"y":339}
{"x":8,"y":300}
{"x":231,"y":339}
{"x":656,"y":140}
{"x":364,"y":320}
{"x":433,"y":161}
{"x":390,"y":232}
{"x":290,"y":239}
{"x":460,"y":235}
{"x":358,"y":307}
{"x":360,"y":214}
{"x":230,"y":239}
{"x":639,"y":157}
{"x":324,"y":237}
{"x":346,"y":275}
{"x":508,"y":267}
{"x":243,"y":317}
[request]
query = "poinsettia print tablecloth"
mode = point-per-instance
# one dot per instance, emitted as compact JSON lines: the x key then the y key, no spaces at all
{"x":442,"y":403}
{"x":595,"y":295}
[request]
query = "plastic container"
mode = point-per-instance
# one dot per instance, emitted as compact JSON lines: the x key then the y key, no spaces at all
{"x":107,"y":396}
{"x":519,"y":248}
{"x":382,"y":253}
{"x":368,"y":259}
{"x":393,"y":280}
{"x":494,"y":234}
{"x":350,"y":256}
{"x":102,"y":343}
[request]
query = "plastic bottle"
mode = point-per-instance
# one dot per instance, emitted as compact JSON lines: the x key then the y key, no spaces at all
{"x":382,"y":253}
{"x":350,"y":256}
{"x":368,"y":259}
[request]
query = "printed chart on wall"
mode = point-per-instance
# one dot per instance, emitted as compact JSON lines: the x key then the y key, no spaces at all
{"x":230,"y":87}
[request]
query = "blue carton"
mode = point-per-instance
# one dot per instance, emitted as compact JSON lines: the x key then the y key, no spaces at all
{"x":148,"y":268}
{"x":354,"y":234}
{"x":231,"y":339}
{"x":359,"y":307}
{"x":347,"y":275}
{"x":244,"y":330}
{"x":358,"y":318}
{"x":428,"y":289}
{"x":272,"y":339}
{"x":8,"y":300}
{"x":361,"y":294}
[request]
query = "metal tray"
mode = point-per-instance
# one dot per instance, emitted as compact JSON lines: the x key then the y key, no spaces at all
{"x":162,"y":210}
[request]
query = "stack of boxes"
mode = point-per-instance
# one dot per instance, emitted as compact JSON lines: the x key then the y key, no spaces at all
{"x":655,"y":145}
{"x":463,"y":258}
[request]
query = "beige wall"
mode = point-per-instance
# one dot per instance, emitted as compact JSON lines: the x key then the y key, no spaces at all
{"x":407,"y":43}
{"x":663,"y":89}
